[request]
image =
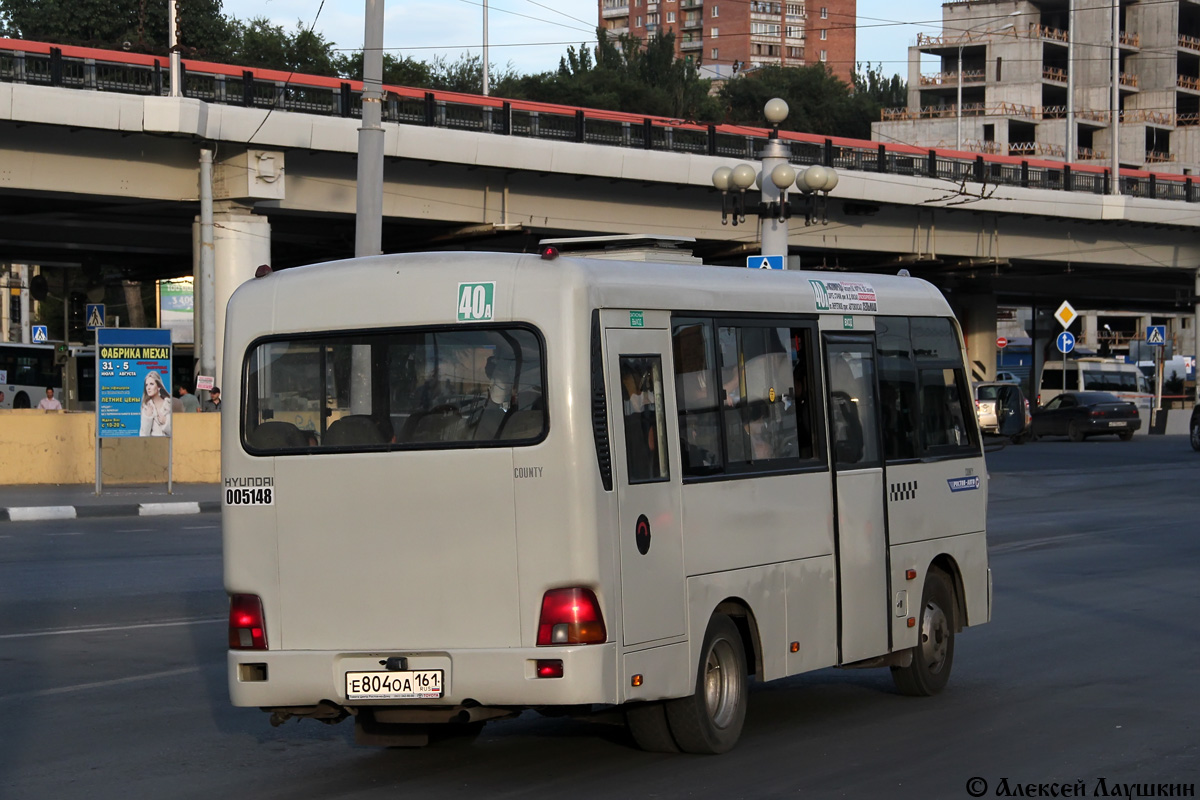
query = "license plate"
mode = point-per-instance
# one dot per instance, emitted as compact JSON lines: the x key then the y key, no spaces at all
{"x":1118,"y":424}
{"x":400,"y":685}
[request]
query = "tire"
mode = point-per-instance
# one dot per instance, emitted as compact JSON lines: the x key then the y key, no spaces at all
{"x":710,"y":721}
{"x":1125,"y":436}
{"x":1196,"y":432}
{"x":1021,"y":438}
{"x":1074,"y":432}
{"x":933,"y":656}
{"x":649,"y":728}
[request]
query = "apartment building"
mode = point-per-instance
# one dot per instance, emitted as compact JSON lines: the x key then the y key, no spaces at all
{"x":1036,"y":81}
{"x":726,"y":36}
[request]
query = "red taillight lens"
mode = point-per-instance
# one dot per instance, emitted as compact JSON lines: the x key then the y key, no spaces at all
{"x":1097,"y":413}
{"x":247,"y":630}
{"x":571,"y":616}
{"x":549,"y":668}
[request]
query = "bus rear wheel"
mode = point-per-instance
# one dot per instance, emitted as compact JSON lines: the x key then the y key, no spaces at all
{"x":933,"y":655}
{"x":649,"y":728}
{"x":710,"y":721}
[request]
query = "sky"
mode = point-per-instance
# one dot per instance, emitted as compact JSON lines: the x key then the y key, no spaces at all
{"x":532,"y":35}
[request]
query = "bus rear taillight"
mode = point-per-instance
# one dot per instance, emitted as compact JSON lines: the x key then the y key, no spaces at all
{"x":571,"y":616}
{"x":247,"y":629}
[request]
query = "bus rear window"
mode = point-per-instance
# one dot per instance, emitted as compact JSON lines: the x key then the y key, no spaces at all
{"x":461,"y":387}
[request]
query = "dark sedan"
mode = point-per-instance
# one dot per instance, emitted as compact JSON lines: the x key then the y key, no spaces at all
{"x":1194,"y":427}
{"x":1082,"y":414}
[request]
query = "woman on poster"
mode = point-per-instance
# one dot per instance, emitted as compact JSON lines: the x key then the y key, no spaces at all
{"x":156,"y":407}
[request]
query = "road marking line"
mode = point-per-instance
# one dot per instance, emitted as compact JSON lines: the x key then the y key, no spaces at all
{"x":201,"y":527}
{"x":135,"y":530}
{"x":109,"y":628}
{"x":30,"y":513}
{"x":158,"y":509}
{"x":79,"y":687}
{"x":66,"y":533}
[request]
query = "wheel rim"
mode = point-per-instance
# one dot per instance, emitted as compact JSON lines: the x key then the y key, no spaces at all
{"x":935,"y":637}
{"x":722,"y":689}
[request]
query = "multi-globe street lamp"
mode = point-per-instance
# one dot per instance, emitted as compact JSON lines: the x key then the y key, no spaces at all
{"x":774,"y":180}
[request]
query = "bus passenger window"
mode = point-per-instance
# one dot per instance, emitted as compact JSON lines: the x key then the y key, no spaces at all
{"x":696,"y":394}
{"x":643,"y":409}
{"x":942,"y":416}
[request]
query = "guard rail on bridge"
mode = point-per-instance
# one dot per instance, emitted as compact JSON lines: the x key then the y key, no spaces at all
{"x":112,"y":71}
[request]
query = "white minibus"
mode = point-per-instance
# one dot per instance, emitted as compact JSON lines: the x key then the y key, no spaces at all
{"x":461,"y":485}
{"x":1094,"y":374}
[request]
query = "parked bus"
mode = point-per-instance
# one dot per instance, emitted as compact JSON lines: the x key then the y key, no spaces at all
{"x":1095,"y":374}
{"x":459,"y":485}
{"x":26,"y":371}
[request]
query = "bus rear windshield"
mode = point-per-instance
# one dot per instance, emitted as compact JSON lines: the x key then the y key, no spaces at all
{"x":461,"y":387}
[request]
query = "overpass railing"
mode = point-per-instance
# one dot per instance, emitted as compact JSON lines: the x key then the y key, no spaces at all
{"x":130,"y":73}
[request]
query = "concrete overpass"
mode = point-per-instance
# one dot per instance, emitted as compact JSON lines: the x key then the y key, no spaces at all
{"x":97,"y":166}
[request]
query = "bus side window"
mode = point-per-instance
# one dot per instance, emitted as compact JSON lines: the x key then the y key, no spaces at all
{"x":698,"y":398}
{"x":643,"y":410}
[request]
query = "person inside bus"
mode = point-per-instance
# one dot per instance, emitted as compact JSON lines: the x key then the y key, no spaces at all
{"x":641,"y":430}
{"x":156,"y":407}
{"x":50,"y":402}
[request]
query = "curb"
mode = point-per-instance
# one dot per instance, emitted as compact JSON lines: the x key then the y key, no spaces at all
{"x":33,"y":513}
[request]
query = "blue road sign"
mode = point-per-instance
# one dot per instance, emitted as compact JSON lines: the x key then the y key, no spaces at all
{"x":1065,"y":342}
{"x":1156,"y":335}
{"x":41,"y":334}
{"x":764,"y":262}
{"x":94,"y":316}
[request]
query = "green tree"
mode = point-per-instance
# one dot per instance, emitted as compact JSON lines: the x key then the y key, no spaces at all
{"x":137,"y":25}
{"x":261,"y":44}
{"x":624,"y":75}
{"x":818,"y":102}
{"x":397,"y":71}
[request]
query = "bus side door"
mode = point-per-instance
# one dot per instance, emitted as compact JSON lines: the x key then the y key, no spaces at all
{"x":646,"y":468}
{"x":856,"y":455}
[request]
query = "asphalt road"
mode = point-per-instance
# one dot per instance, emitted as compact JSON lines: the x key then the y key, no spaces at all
{"x":112,"y":671}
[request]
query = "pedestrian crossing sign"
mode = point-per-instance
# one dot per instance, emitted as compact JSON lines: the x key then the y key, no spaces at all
{"x":764,"y":262}
{"x":41,"y":334}
{"x":1156,"y":335}
{"x":95,"y":316}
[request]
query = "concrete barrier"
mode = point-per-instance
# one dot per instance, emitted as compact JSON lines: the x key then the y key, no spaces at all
{"x":57,"y":447}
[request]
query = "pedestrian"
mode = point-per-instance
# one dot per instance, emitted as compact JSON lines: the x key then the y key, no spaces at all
{"x":213,"y":403}
{"x":188,"y":400}
{"x":50,"y":402}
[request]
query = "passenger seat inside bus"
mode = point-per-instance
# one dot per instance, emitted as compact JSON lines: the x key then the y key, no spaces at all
{"x":276,"y":435}
{"x":356,"y":429}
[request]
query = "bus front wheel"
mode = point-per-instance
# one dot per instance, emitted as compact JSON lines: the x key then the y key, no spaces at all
{"x":710,"y":721}
{"x":933,"y":656}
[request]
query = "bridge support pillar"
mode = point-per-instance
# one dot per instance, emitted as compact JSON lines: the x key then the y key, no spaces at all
{"x":977,"y":315}
{"x":241,"y":242}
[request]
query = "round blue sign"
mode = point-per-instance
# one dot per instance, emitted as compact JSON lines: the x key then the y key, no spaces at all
{"x":1066,"y":342}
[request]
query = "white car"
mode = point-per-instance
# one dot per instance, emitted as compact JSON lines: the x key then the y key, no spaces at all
{"x":996,"y":402}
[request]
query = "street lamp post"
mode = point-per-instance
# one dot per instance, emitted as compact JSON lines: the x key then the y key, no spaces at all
{"x":774,"y":180}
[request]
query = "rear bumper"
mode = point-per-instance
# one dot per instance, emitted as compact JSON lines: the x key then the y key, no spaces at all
{"x":505,"y":677}
{"x":1105,"y":426}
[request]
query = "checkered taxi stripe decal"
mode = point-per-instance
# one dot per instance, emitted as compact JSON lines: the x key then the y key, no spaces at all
{"x":906,"y":490}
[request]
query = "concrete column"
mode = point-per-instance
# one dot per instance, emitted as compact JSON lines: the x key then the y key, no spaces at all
{"x":23,"y":271}
{"x":1090,"y":333}
{"x":241,"y":243}
{"x":977,"y":315}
